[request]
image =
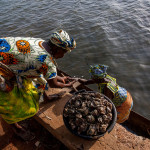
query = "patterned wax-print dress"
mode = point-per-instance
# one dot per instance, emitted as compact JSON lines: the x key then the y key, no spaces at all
{"x":121,"y":98}
{"x":32,"y":65}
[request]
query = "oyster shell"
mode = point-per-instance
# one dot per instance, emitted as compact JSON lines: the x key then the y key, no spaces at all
{"x":100,"y":120}
{"x":82,"y":127}
{"x":103,"y":128}
{"x":98,"y":95}
{"x":90,"y":118}
{"x":102,"y":110}
{"x":78,"y":115}
{"x":94,"y":112}
{"x":108,"y":109}
{"x":92,"y":130}
{"x":77,"y":103}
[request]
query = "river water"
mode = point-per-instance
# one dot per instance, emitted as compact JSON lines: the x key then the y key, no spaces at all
{"x":113,"y":32}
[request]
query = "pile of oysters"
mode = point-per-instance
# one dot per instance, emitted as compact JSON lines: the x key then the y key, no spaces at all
{"x":88,"y":113}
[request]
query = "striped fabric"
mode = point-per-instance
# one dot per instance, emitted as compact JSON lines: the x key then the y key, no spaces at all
{"x":112,"y":85}
{"x":101,"y":87}
{"x":119,"y":96}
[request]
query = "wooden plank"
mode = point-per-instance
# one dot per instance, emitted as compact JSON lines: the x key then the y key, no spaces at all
{"x":138,"y":124}
{"x":50,"y":116}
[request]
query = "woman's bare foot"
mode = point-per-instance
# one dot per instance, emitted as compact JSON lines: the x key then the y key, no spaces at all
{"x":22,"y":133}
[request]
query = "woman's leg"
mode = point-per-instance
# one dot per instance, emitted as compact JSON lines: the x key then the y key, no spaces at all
{"x":22,"y":132}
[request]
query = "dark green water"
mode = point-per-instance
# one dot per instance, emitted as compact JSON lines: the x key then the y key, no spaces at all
{"x":113,"y":32}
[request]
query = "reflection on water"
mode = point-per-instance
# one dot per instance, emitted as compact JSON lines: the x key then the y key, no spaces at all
{"x":115,"y":33}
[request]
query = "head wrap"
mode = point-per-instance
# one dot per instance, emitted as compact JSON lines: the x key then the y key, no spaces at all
{"x":98,"y":71}
{"x":62,"y":39}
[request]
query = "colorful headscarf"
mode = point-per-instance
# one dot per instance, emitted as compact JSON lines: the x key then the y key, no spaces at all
{"x":63,"y":40}
{"x":98,"y":71}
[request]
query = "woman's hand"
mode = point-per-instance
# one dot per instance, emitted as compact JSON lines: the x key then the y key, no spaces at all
{"x":62,"y":79}
{"x":66,"y":79}
{"x":61,"y":82}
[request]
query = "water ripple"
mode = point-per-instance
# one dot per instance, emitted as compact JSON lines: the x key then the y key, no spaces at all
{"x":114,"y":32}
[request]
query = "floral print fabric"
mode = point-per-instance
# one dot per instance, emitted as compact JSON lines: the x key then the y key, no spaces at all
{"x":33,"y":66}
{"x":26,"y":58}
